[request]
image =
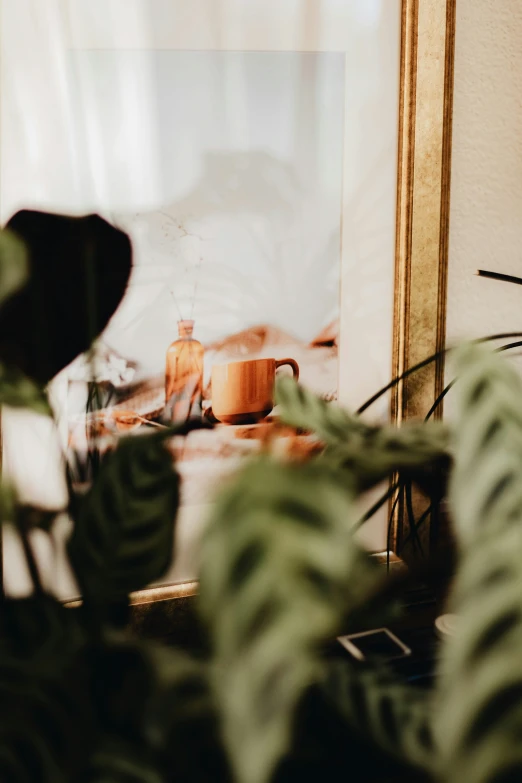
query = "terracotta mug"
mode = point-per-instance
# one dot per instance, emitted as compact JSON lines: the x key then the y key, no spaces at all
{"x":243,"y":392}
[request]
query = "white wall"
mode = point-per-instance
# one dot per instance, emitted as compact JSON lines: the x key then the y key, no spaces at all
{"x":486,"y":189}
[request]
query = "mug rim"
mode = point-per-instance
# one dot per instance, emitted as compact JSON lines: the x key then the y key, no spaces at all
{"x":246,"y":361}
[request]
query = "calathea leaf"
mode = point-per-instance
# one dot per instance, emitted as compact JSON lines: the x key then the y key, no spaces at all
{"x":488,"y":444}
{"x":44,"y":693}
{"x":479,"y":700}
{"x":304,"y":410}
{"x":182,"y":720}
{"x":370,"y":453}
{"x":279,"y":569}
{"x":410,"y":449}
{"x":380,"y":707}
{"x":123,"y":680}
{"x":119,"y":761}
{"x":65,"y":304}
{"x":14,"y":265}
{"x":38,"y":629}
{"x":123,"y":535}
{"x":18,"y":391}
{"x":156,"y":714}
{"x":42,"y":722}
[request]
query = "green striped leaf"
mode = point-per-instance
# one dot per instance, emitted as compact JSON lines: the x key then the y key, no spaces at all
{"x":279,"y":569}
{"x":122,"y":762}
{"x":379,"y":707}
{"x":479,"y":715}
{"x":304,"y":410}
{"x":369,"y":453}
{"x":486,"y":490}
{"x":123,"y":535}
{"x":14,"y":266}
{"x":19,"y":391}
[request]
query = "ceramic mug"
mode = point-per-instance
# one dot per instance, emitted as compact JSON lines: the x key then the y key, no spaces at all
{"x":243,"y":392}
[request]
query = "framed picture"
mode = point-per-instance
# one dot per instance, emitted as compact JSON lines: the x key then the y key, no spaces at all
{"x":302,"y":225}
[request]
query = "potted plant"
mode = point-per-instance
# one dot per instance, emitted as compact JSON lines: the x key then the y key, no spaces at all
{"x":281,"y":574}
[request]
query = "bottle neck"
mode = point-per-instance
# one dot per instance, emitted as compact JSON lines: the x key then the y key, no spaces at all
{"x":185,"y":329}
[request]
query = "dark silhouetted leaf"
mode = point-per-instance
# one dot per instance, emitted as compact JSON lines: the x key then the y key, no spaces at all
{"x":123,"y":535}
{"x":38,"y":629}
{"x":47,"y":724}
{"x":156,"y":716}
{"x":79,"y":268}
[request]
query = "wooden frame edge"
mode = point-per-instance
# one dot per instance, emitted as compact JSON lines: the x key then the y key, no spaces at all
{"x":423,"y":205}
{"x":151,"y":595}
{"x":184,"y":590}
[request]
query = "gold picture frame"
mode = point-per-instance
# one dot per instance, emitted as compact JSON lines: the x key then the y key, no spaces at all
{"x":423,"y":204}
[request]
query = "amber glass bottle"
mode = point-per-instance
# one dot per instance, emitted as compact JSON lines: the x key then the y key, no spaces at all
{"x":184,"y":375}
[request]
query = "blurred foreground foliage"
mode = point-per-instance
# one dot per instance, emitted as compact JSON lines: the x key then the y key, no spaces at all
{"x":281,"y":575}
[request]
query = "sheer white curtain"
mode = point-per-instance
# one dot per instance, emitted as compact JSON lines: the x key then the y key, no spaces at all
{"x":67,"y":145}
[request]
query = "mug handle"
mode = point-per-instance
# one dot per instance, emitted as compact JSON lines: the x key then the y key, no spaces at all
{"x":293,"y":364}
